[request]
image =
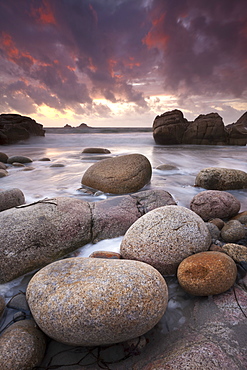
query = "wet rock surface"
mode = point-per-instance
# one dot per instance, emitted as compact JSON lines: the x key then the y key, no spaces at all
{"x":103,"y":301}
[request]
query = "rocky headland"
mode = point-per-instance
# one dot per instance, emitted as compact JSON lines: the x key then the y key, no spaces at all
{"x":172,"y":128}
{"x":14,"y":128}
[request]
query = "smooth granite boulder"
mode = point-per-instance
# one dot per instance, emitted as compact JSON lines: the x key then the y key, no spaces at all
{"x":93,"y":301}
{"x":164,"y":237}
{"x":96,"y":150}
{"x":22,"y":346}
{"x":11,"y":198}
{"x":233,"y":231}
{"x":207,"y":273}
{"x":112,"y":217}
{"x":119,"y":175}
{"x":236,"y":251}
{"x":36,"y":234}
{"x":210,"y":204}
{"x":19,"y":159}
{"x":216,"y":178}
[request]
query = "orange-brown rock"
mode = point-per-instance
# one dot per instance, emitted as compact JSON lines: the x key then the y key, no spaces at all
{"x":105,"y":254}
{"x":207,"y":273}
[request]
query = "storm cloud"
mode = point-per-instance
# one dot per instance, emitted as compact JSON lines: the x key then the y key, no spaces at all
{"x":66,"y":54}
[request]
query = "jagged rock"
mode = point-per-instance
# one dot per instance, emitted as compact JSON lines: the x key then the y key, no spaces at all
{"x":238,"y":131}
{"x":207,"y":129}
{"x":169,"y":128}
{"x":172,"y":128}
{"x":14,"y":127}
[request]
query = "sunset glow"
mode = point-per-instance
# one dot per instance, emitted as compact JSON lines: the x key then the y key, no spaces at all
{"x":122,"y":63}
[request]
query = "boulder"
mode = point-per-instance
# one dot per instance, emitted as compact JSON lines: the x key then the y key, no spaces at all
{"x":233,"y":231}
{"x":236,"y":251}
{"x":119,"y":175}
{"x":166,"y":167}
{"x":49,"y":229}
{"x":3,"y":173}
{"x":90,"y":301}
{"x":14,"y":127}
{"x":207,"y":273}
{"x":105,"y":255}
{"x":214,"y":230}
{"x":112,"y":217}
{"x":3,"y":157}
{"x":22,"y":346}
{"x":19,"y":159}
{"x":241,"y":217}
{"x":11,"y":198}
{"x":36,"y":234}
{"x":169,"y":127}
{"x":207,"y":129}
{"x":2,"y":166}
{"x":238,"y":131}
{"x":216,"y":178}
{"x":164,"y":237}
{"x":211,"y":204}
{"x":96,"y":150}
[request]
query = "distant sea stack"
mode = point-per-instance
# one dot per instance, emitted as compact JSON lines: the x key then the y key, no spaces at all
{"x":171,"y":128}
{"x":14,"y":128}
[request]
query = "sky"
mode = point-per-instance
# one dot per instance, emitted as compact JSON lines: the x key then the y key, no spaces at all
{"x":122,"y":62}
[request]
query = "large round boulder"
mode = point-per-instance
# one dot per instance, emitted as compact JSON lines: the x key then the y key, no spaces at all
{"x":211,"y":204}
{"x":36,"y":234}
{"x":164,"y":237}
{"x":11,"y":198}
{"x":93,"y":301}
{"x":119,"y":175}
{"x":207,"y":273}
{"x":216,"y":178}
{"x":22,"y":346}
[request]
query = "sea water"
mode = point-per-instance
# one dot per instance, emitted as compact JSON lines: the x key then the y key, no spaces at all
{"x":44,"y":181}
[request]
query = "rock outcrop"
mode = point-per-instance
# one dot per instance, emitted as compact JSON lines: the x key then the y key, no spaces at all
{"x":14,"y":127}
{"x":171,"y":128}
{"x":22,"y":346}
